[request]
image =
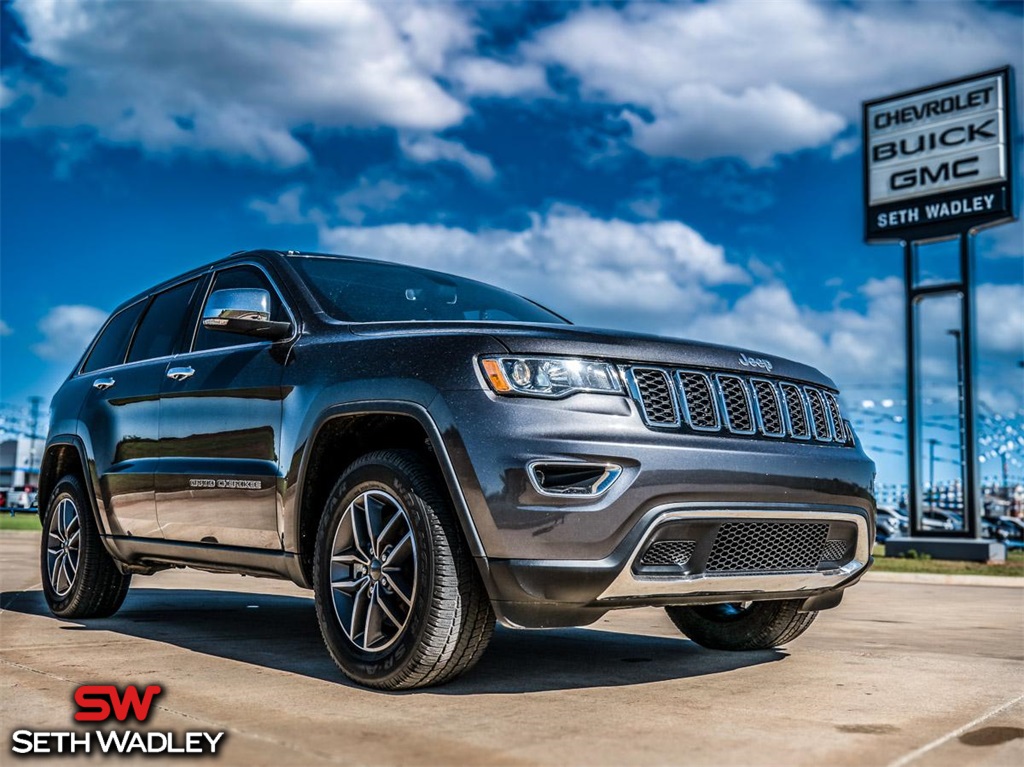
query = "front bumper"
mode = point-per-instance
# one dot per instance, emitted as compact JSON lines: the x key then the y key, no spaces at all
{"x":566,"y":561}
{"x":548,"y":593}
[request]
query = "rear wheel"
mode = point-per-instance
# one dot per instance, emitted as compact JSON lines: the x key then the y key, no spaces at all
{"x":398,"y":597}
{"x":743,"y":625}
{"x":80,"y":579}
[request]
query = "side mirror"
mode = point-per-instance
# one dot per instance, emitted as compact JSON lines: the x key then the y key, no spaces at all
{"x":245,"y":311}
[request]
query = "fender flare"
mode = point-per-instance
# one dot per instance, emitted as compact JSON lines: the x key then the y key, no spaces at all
{"x":407,"y":409}
{"x":88,"y":481}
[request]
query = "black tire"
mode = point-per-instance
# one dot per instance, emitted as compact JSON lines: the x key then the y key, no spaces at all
{"x":757,"y":626}
{"x":87,"y":582}
{"x":448,"y":619}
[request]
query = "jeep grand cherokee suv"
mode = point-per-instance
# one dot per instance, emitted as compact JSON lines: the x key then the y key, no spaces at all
{"x":429,"y":454}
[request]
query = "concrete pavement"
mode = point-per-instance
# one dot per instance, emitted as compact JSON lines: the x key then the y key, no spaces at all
{"x":901,"y":673}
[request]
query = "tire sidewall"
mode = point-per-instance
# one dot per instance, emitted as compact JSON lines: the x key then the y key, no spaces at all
{"x":360,"y":665}
{"x":765,"y":626}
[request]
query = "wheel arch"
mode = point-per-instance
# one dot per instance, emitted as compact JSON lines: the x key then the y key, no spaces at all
{"x":65,"y":454}
{"x":345,"y":432}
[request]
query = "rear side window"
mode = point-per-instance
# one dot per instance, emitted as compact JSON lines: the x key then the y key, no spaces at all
{"x":113,"y":341}
{"x":162,"y":325}
{"x":238,"y":277}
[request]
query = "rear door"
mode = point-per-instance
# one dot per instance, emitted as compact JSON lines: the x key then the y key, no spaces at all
{"x":220,"y":421}
{"x":120,"y":415}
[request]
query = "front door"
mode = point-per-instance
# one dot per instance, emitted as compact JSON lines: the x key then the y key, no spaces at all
{"x":220,"y":417}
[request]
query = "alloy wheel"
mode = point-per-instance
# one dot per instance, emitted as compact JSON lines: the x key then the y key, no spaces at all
{"x":63,"y":547}
{"x":374,"y":571}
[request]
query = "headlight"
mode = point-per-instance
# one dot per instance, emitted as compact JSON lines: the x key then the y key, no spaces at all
{"x":549,"y":377}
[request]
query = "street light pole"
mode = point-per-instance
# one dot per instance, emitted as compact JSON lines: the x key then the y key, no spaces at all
{"x":960,"y":408}
{"x":931,"y":470}
{"x":35,"y":401}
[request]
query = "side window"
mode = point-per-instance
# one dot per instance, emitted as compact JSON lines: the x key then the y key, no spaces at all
{"x":237,"y":277}
{"x":163,"y":322}
{"x":113,"y":341}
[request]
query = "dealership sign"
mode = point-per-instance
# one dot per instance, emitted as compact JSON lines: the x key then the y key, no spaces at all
{"x":937,"y":161}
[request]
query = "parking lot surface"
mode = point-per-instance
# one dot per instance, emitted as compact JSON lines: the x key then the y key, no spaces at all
{"x":902,"y":673}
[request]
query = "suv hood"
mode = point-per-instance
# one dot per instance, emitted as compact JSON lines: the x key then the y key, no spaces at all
{"x":611,"y":345}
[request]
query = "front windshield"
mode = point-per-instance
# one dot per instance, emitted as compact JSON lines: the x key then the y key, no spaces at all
{"x":374,"y":291}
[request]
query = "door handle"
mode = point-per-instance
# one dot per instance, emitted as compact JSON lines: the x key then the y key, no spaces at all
{"x":103,"y":383}
{"x":180,"y":374}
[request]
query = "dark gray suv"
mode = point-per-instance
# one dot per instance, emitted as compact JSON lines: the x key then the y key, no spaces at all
{"x":428,"y":453}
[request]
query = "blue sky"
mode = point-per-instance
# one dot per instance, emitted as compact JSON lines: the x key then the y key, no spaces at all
{"x":683,"y":169}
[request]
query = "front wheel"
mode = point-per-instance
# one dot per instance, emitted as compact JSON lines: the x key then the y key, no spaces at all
{"x":743,"y":625}
{"x":398,"y":597}
{"x":80,"y":579}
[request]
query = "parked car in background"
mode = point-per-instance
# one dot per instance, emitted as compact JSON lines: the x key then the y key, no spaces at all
{"x":992,"y":530}
{"x":937,"y":519}
{"x":1012,"y":527}
{"x":890,"y":523}
{"x":22,"y":498}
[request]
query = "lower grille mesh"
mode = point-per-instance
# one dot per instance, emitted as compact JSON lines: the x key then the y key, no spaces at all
{"x":676,"y":553}
{"x":835,"y":551}
{"x":744,"y":547}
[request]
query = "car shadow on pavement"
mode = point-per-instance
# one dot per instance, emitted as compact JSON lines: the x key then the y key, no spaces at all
{"x":281,"y":632}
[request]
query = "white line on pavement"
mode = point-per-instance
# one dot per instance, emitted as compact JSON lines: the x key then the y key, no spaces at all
{"x":908,"y":758}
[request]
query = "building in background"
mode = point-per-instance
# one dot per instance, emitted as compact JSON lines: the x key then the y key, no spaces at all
{"x":19,"y":464}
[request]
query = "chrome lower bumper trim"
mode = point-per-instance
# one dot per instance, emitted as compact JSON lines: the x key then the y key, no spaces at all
{"x":630,"y":585}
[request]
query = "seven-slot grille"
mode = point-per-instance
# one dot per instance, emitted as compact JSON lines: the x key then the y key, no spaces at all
{"x":745,"y":405}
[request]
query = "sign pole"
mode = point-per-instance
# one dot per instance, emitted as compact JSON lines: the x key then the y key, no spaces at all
{"x":966,"y":366}
{"x":914,"y":509}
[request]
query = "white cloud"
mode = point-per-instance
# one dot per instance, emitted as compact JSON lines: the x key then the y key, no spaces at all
{"x":597,"y":270}
{"x":755,"y":80}
{"x":287,"y":208}
{"x":734,"y":78}
{"x":67,"y":330}
{"x":7,"y":95}
{"x":5,"y":329}
{"x":1006,"y":241}
{"x":431,"y":31}
{"x":237,"y":78}
{"x":1000,"y":311}
{"x":370,"y":195}
{"x":699,"y":122}
{"x":431,"y":149}
{"x":487,"y":77}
